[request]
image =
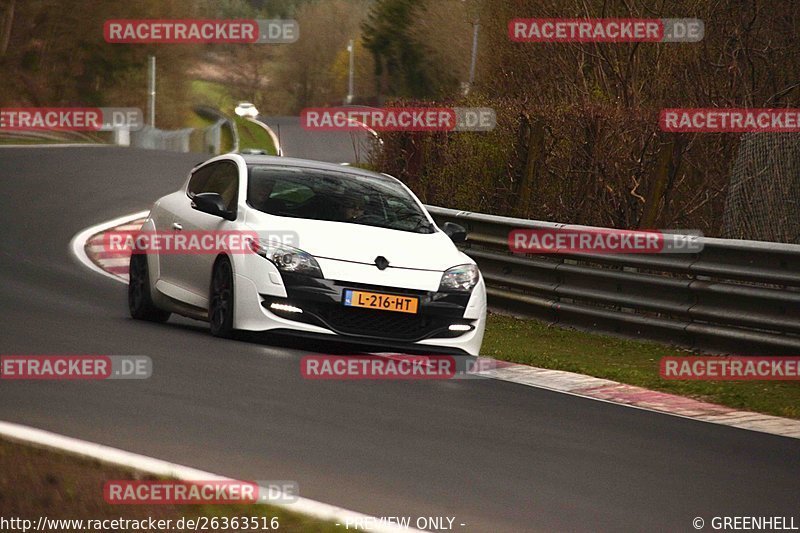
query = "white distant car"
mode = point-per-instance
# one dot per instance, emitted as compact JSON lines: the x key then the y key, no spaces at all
{"x":366,"y":263}
{"x":246,"y":109}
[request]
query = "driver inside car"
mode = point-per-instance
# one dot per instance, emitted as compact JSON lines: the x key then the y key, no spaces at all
{"x":259,"y":195}
{"x":352,"y":208}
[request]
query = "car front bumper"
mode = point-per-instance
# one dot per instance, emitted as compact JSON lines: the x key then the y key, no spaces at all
{"x":323,"y":315}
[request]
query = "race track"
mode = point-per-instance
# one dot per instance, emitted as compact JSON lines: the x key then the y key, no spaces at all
{"x":497,"y":456}
{"x":331,"y":146}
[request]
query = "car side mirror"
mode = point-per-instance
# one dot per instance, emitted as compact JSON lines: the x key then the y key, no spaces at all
{"x":213,"y":204}
{"x":456,"y":233}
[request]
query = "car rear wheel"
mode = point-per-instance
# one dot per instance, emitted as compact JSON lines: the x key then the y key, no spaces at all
{"x":140,"y":303}
{"x":220,"y":309}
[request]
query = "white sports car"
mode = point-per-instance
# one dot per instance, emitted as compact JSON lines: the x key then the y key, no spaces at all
{"x":340,"y":253}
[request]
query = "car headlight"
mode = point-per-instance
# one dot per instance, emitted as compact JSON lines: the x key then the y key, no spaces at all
{"x":461,"y":278}
{"x":287,"y":258}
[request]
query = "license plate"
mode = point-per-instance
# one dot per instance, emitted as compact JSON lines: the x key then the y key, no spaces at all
{"x":387,"y":302}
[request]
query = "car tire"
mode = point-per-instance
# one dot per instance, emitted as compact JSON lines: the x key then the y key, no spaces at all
{"x":140,"y":302}
{"x":220,"y":301}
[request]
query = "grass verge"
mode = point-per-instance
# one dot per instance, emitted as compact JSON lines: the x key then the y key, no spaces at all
{"x":200,"y":124}
{"x":633,"y":362}
{"x":37,"y":482}
{"x":253,"y":136}
{"x":213,"y":94}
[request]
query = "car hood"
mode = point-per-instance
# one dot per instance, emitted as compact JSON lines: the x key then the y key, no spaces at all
{"x":361,"y":244}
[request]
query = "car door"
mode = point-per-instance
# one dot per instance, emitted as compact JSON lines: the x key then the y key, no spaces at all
{"x":176,"y":206}
{"x":193,"y":270}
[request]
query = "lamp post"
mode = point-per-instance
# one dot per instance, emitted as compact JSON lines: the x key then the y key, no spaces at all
{"x":151,"y":91}
{"x":351,"y":50}
{"x":475,"y":27}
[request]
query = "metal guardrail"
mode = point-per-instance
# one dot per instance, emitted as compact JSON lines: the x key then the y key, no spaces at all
{"x":731,"y":297}
{"x":212,"y":113}
{"x":212,"y":137}
{"x":156,"y":139}
{"x":44,"y":136}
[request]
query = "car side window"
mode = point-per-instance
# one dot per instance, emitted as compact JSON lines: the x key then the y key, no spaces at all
{"x":198,"y":180}
{"x":221,"y":178}
{"x":291,"y":193}
{"x":224,"y":180}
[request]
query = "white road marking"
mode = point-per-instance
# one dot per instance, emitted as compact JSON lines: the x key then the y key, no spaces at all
{"x":115,"y":456}
{"x":116,"y":262}
{"x":579,"y":385}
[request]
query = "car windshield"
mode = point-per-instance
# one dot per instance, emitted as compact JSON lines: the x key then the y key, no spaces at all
{"x":334,"y":196}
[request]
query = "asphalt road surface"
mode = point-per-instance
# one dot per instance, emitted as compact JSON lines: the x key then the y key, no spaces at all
{"x":497,"y":456}
{"x":331,"y":146}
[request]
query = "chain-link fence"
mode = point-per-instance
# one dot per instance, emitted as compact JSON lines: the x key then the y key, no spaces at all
{"x":763,"y":201}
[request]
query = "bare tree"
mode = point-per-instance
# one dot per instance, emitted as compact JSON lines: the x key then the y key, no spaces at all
{"x":8,"y":24}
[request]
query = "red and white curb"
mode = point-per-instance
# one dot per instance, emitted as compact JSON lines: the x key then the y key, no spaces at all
{"x":629,"y":395}
{"x":113,"y":262}
{"x":116,"y":266}
{"x":86,"y":247}
{"x":157,"y":467}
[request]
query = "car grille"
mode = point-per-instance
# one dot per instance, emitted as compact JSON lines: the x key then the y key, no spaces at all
{"x":382,"y":324}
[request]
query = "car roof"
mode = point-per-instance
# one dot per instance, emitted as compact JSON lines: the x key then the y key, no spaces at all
{"x":271,"y":160}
